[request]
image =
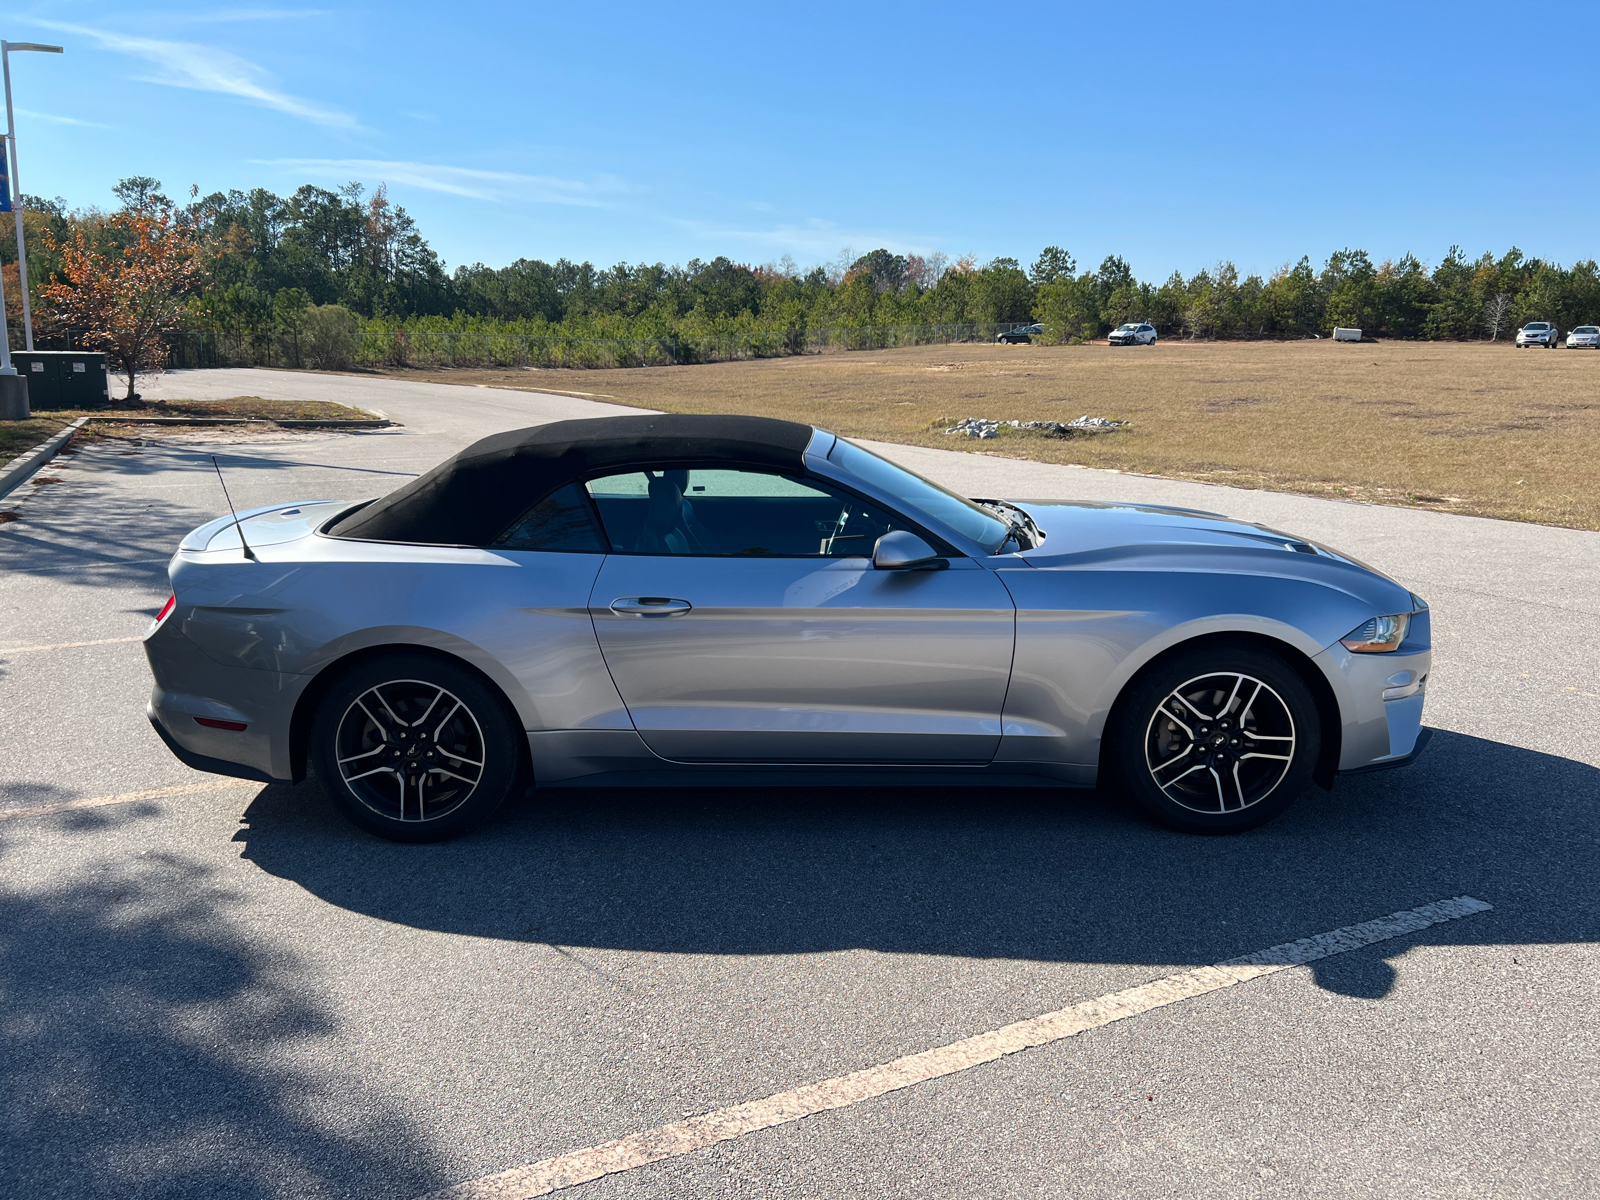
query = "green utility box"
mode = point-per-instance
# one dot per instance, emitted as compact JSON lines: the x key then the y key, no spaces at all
{"x":63,"y":378}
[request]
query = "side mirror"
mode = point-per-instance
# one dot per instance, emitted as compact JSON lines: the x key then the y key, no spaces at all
{"x":902,"y":550}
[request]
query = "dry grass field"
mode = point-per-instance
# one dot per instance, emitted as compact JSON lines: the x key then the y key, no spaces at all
{"x":1480,"y":429}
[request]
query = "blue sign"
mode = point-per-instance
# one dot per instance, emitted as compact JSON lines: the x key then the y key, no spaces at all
{"x":5,"y":177}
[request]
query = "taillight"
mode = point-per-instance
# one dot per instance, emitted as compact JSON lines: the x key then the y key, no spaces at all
{"x":215,"y":723}
{"x":166,"y":609}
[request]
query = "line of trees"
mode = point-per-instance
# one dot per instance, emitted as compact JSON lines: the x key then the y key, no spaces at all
{"x":269,"y":265}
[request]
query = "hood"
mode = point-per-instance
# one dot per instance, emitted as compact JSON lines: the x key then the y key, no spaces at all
{"x":1086,"y":535}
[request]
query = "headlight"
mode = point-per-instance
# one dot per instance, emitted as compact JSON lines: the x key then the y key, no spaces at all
{"x":1381,"y":635}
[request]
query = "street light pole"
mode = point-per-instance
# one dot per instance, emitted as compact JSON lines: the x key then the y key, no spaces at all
{"x":5,"y":334}
{"x":16,"y":186}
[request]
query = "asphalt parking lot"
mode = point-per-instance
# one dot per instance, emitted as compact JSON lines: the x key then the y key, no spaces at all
{"x":219,"y":988}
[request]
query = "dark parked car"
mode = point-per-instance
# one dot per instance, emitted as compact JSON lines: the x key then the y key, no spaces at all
{"x":1023,"y":336}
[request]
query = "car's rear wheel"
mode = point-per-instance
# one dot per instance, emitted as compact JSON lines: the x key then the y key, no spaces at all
{"x":1218,"y":740}
{"x":415,"y":749}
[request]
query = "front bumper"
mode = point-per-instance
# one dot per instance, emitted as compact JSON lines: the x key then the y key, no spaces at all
{"x":1389,"y":764}
{"x":1380,"y":697}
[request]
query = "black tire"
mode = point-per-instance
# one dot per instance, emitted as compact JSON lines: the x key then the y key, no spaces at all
{"x":435,"y":781}
{"x":1235,"y":780}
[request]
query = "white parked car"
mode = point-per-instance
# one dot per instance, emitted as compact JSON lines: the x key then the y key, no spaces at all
{"x":1136,"y":333}
{"x":1584,"y":337}
{"x":1538,"y":333}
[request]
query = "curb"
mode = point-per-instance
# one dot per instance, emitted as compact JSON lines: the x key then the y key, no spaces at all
{"x":23,"y":467}
{"x":295,"y":423}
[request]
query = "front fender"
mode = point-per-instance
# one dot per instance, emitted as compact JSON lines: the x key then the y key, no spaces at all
{"x":1082,"y":635}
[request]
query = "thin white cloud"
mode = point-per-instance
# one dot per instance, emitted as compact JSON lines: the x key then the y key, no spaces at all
{"x":209,"y":69}
{"x":812,"y":237}
{"x":227,"y":15}
{"x":459,"y":181}
{"x":55,"y":119}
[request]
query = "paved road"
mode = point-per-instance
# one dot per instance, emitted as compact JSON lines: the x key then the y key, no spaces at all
{"x":232,"y":993}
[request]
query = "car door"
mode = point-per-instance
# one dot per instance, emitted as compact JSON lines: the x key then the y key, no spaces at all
{"x":742,"y":620}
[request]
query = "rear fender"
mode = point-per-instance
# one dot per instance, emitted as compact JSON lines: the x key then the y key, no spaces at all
{"x":310,"y":699}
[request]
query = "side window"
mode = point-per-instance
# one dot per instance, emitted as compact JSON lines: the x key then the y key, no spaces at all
{"x":563,"y":520}
{"x":733,"y":512}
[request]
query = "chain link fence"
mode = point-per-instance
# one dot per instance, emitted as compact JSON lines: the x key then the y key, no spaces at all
{"x":379,"y":346}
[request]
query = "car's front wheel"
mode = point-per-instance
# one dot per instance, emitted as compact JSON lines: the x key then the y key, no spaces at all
{"x":414,"y":748}
{"x":1217,"y":740}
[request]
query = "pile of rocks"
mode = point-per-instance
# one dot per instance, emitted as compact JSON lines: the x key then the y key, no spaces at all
{"x":983,"y":427}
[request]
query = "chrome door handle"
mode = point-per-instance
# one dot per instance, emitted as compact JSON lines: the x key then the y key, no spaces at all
{"x":650,"y":606}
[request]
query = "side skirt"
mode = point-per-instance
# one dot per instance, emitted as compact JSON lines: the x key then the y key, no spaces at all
{"x":611,"y":758}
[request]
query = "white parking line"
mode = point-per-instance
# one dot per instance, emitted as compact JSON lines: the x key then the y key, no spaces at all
{"x":725,"y":1124}
{"x":185,"y":789}
{"x":68,"y":645}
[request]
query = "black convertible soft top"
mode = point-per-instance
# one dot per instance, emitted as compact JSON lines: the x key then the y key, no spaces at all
{"x":470,"y":499}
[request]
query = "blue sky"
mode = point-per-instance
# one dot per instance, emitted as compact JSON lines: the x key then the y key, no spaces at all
{"x":1175,"y":135}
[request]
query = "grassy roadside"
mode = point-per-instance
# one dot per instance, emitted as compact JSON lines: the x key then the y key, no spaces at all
{"x":18,"y":437}
{"x":1474,"y":428}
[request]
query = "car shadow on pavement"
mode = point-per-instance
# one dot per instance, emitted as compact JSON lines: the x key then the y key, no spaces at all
{"x":142,"y":1043}
{"x":986,"y":873}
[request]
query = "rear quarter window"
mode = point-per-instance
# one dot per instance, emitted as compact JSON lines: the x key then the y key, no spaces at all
{"x":562,"y":521}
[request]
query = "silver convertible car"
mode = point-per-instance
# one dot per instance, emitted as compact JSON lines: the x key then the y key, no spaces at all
{"x":739,"y":600}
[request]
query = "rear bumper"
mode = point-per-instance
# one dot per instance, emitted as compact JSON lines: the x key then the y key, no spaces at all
{"x":190,"y":687}
{"x":201,"y":762}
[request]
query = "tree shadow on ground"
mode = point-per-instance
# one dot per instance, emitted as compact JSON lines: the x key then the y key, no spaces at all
{"x":1001,"y":873}
{"x":137,"y":1045}
{"x":107,"y":536}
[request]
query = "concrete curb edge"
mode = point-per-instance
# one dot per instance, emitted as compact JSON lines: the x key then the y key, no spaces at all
{"x":285,"y":423}
{"x":23,"y":467}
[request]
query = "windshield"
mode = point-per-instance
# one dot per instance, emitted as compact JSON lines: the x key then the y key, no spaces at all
{"x":1539,"y":325}
{"x":1126,"y":328}
{"x":1587,"y":329}
{"x":960,"y":514}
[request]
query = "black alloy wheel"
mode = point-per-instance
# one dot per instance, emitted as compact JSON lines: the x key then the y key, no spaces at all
{"x":1219,"y":740}
{"x":416,"y":749}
